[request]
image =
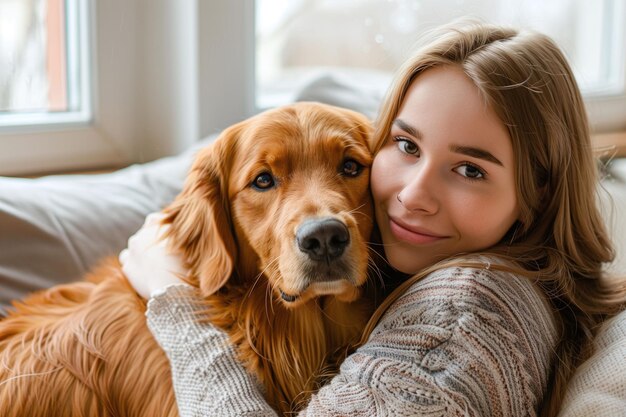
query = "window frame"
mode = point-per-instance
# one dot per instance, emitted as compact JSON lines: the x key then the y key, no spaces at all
{"x":607,"y":110}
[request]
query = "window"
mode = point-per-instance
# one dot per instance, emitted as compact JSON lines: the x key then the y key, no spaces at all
{"x":44,"y":71}
{"x":153,"y":81}
{"x":60,"y":113}
{"x":297,"y":40}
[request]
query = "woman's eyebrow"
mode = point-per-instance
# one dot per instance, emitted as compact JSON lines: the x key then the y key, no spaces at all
{"x":465,"y":150}
{"x":476,"y":153}
{"x":408,"y":128}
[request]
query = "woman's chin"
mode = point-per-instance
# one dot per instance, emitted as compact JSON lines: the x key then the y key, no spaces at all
{"x":405,"y":263}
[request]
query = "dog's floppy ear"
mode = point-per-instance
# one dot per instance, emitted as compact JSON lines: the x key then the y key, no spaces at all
{"x":365,"y":129}
{"x":201,"y":229}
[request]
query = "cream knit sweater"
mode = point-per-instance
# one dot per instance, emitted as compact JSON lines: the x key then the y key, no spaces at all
{"x":460,"y":342}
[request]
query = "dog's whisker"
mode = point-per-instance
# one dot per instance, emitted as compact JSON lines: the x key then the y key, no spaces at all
{"x":375,"y":252}
{"x":249,"y":336}
{"x":360,"y":213}
{"x":268,"y":300}
{"x":269,"y":293}
{"x":373,"y":266}
{"x":274,"y":287}
{"x":258,"y":277}
{"x":253,"y":346}
{"x":375,"y":272}
{"x":355,"y":210}
{"x":371,"y":262}
{"x":268,"y":288}
{"x":256,"y":280}
{"x":249,"y":292}
{"x":366,"y":216}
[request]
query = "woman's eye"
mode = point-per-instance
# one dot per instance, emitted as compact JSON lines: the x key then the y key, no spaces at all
{"x":470,"y":171}
{"x":406,"y":146}
{"x":263,"y":181}
{"x":351,"y":168}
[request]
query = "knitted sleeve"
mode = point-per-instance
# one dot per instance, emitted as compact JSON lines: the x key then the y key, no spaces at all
{"x":461,"y":341}
{"x":208,"y":380}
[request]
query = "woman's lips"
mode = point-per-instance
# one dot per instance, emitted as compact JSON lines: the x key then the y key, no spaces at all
{"x":412,"y":235}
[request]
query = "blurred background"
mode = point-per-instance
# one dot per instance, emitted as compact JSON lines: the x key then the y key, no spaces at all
{"x":91,"y":84}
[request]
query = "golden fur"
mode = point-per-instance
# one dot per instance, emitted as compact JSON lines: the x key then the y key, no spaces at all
{"x":83,"y":349}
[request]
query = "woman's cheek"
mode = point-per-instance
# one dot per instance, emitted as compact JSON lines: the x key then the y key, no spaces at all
{"x":381,"y":179}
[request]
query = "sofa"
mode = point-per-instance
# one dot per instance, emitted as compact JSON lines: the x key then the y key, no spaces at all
{"x":55,"y":228}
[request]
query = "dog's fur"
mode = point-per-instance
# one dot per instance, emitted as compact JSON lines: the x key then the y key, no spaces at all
{"x":83,"y":349}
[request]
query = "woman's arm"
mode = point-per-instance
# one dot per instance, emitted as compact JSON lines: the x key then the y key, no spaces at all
{"x":459,"y":342}
{"x":208,"y":380}
{"x":462,"y":341}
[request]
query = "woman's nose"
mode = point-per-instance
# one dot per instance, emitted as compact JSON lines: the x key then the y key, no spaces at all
{"x":420,"y":190}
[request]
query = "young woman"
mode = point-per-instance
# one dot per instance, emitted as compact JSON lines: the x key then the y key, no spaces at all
{"x":484,"y":185}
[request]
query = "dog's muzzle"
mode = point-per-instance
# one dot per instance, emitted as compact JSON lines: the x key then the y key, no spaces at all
{"x":325,"y":261}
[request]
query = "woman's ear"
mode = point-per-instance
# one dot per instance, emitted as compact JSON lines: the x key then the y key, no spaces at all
{"x":201,"y":229}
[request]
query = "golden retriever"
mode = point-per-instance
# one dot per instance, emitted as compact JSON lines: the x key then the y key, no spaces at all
{"x":273,"y":224}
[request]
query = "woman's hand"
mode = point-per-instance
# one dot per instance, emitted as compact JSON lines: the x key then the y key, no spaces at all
{"x":147,"y":262}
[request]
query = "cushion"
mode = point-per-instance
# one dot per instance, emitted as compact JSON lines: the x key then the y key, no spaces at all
{"x":613,"y":204}
{"x":54,"y":229}
{"x":598,"y":387}
{"x":363,"y":93}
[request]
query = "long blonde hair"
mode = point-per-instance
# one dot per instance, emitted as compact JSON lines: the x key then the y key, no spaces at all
{"x":560,"y":240}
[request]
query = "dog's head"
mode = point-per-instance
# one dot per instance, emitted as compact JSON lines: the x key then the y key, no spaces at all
{"x":282,"y":196}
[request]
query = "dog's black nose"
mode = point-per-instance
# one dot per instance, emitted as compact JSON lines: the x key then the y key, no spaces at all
{"x":323,"y":239}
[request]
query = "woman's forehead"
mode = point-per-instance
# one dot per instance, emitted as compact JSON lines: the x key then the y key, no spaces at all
{"x":444,"y":105}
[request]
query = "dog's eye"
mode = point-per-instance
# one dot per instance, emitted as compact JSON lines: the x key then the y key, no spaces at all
{"x":263,"y":181}
{"x":351,"y":168}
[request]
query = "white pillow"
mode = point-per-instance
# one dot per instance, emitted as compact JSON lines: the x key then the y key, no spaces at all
{"x":598,"y":387}
{"x":54,"y":229}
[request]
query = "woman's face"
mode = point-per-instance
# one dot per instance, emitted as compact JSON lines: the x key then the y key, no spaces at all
{"x":443,"y":182}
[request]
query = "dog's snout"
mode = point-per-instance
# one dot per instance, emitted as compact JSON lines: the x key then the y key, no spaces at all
{"x":323,"y":239}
